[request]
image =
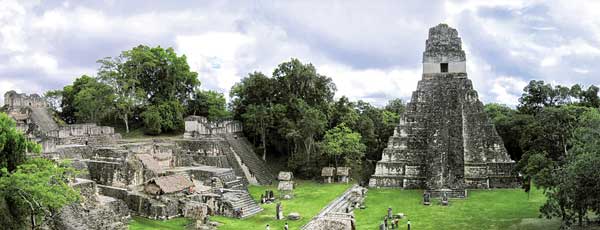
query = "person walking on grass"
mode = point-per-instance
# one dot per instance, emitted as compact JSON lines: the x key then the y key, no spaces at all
{"x":408,"y":224}
{"x":268,"y":227}
{"x":286,"y":227}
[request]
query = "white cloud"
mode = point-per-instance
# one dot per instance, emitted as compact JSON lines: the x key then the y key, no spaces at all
{"x":373,"y":85}
{"x":371,"y":50}
{"x":504,"y":88}
{"x":214,"y":56}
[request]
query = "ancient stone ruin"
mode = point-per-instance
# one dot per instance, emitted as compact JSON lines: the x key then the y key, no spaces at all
{"x":31,"y":113}
{"x":328,"y":173}
{"x":445,"y":142}
{"x":239,"y":150}
{"x":339,"y":213}
{"x":204,"y":173}
{"x":286,"y":185}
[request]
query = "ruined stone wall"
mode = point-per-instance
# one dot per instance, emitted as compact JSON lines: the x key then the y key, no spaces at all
{"x":13,"y":99}
{"x":200,"y":126}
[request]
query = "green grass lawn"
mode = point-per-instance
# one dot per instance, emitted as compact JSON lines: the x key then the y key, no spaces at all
{"x":310,"y":198}
{"x":143,"y":223}
{"x":483,"y":209}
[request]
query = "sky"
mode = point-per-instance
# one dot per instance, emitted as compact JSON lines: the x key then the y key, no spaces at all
{"x":371,"y":49}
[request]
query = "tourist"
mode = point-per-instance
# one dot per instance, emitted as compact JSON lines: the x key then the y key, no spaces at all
{"x":396,"y":223}
{"x":268,"y":227}
{"x":286,"y":227}
{"x":385,"y":221}
{"x":408,"y":224}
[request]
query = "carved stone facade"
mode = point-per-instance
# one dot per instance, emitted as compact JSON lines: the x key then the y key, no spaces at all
{"x":445,"y":142}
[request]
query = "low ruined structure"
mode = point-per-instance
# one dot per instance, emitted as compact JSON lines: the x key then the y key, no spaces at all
{"x":445,"y":142}
{"x":169,"y":184}
{"x":286,"y":185}
{"x":343,"y":174}
{"x":328,"y":173}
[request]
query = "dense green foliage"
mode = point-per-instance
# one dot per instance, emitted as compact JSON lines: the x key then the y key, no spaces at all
{"x":341,"y":143}
{"x":13,"y":145}
{"x":209,"y":104}
{"x":288,"y":115}
{"x":554,"y":133}
{"x":144,"y":86}
{"x":29,"y":187}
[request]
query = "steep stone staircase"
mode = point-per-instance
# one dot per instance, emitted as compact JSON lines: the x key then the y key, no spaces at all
{"x":243,"y":200}
{"x":257,"y":167}
{"x":43,"y":119}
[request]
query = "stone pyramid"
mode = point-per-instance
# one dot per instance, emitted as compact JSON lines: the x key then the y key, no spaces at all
{"x":445,"y":143}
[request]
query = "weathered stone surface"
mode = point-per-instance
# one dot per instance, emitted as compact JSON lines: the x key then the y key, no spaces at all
{"x":327,"y":171}
{"x":200,"y":126}
{"x":286,"y":176}
{"x":94,"y":212}
{"x":294,"y":216}
{"x":338,"y":214}
{"x":445,"y":139}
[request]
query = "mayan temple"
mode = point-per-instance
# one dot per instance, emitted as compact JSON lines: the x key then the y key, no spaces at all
{"x":445,"y":143}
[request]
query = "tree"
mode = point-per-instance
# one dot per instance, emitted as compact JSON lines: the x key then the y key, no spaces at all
{"x":13,"y":145}
{"x":209,"y":104}
{"x":578,"y":179}
{"x":341,"y":143}
{"x":259,"y":119}
{"x":93,"y":102}
{"x":162,"y":74}
{"x":343,"y":111}
{"x":590,"y":97}
{"x":310,"y":125}
{"x":128,"y":95}
{"x":68,"y":108}
{"x":164,"y":117}
{"x":510,"y":125}
{"x":396,"y":106}
{"x":39,"y":186}
{"x":54,"y":98}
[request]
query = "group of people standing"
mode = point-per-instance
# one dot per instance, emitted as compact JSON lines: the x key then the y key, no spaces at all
{"x":392,"y":222}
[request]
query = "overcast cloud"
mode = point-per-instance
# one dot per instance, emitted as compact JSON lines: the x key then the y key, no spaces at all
{"x":371,"y":49}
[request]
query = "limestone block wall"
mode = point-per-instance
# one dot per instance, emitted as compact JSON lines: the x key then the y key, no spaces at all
{"x":199,"y":126}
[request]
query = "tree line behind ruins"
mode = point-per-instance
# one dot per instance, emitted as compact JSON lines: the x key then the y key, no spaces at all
{"x":293,"y":117}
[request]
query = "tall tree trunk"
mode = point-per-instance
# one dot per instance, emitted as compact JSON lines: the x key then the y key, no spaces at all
{"x":264,"y":144}
{"x":126,"y":123}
